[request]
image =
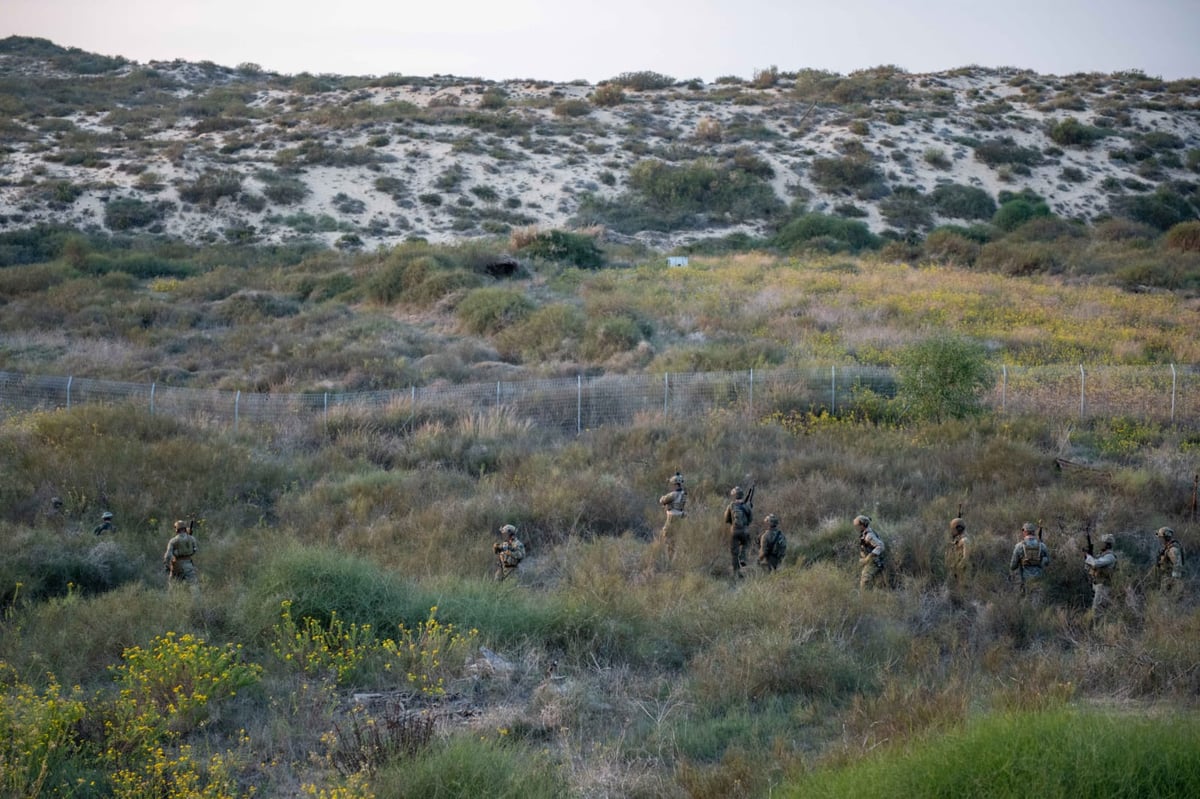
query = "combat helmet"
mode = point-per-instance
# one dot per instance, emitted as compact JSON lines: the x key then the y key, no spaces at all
{"x":1165,"y":533}
{"x":1029,"y":527}
{"x":862,"y":521}
{"x":1108,"y":538}
{"x":106,"y":515}
{"x":957,"y":525}
{"x":771,"y":520}
{"x":180,"y":525}
{"x":676,"y":480}
{"x":736,"y":492}
{"x":508,"y":529}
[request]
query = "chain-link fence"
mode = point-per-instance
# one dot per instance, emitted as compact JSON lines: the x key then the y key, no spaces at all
{"x":1169,"y":394}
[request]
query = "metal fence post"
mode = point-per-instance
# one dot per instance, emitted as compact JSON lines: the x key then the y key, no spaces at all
{"x":327,"y":412}
{"x":152,"y":387}
{"x":666,"y":390}
{"x":497,"y":393}
{"x":833,"y":390}
{"x":1174,"y":383}
{"x":1003,"y":387}
{"x":578,"y":404}
{"x":237,"y":401}
{"x":751,"y":391}
{"x":1082,"y":391}
{"x":69,"y":379}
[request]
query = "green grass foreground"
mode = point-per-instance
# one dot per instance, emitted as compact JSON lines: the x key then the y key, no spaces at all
{"x":1057,"y":753}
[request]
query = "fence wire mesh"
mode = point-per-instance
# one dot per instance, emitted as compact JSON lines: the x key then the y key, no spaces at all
{"x":1169,"y":394}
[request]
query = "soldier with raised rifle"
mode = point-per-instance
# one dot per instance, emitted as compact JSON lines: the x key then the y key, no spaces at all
{"x":1029,"y":559}
{"x":1100,"y":570}
{"x":509,"y":552}
{"x":180,"y":550}
{"x":675,"y":503}
{"x":871,"y":552}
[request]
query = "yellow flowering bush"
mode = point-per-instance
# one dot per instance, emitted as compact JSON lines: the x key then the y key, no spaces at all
{"x":337,"y":650}
{"x":429,"y":654}
{"x":36,"y":732}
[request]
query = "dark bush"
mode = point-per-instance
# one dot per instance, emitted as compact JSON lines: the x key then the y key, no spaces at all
{"x":643,"y":80}
{"x":1070,"y":132}
{"x":1004,"y":150}
{"x":963,"y":202}
{"x":607,"y":95}
{"x":949,"y":246}
{"x":1184,"y":237}
{"x":559,"y":245}
{"x":1163,"y":209}
{"x":819,"y":231}
{"x":126,"y":213}
{"x":490,"y":309}
{"x":1017,"y":211}
{"x":906,"y":208}
{"x":211,"y":186}
{"x":852,"y":174}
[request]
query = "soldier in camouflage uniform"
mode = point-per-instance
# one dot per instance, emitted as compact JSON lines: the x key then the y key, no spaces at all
{"x":738,"y":515}
{"x":1168,"y":567}
{"x":871,"y":554}
{"x":772,"y":544}
{"x":674,"y":502}
{"x":178,"y":557}
{"x":1029,"y":558}
{"x":106,"y":524}
{"x":957,"y":553}
{"x":1100,"y":569}
{"x":509,"y":552}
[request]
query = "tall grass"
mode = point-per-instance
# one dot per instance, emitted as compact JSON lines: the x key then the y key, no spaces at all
{"x":1057,"y":753}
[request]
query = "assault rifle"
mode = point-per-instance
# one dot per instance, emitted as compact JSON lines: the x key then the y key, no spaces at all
{"x":1087,"y":534}
{"x":749,"y":500}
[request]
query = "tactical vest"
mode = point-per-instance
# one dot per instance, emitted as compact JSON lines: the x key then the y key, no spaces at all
{"x":775,"y":545}
{"x":1031,"y":556}
{"x":678,"y":500}
{"x":1164,"y":557}
{"x":740,"y":515}
{"x":185,"y":547}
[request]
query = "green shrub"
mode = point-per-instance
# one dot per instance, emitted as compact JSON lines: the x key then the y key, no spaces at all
{"x":572,"y":108}
{"x":962,"y":202}
{"x":577,"y":249}
{"x":936,"y":158}
{"x":949,"y":246}
{"x":808,"y":229}
{"x":852,"y":174}
{"x":607,"y":95}
{"x":549,"y":332}
{"x":126,"y":213}
{"x":1163,"y":209}
{"x":644,"y":80}
{"x":609,"y":335}
{"x":1184,"y":237}
{"x":282,"y":189}
{"x":488,"y":310}
{"x":1070,"y":132}
{"x":907,"y":208}
{"x":1017,"y":211}
{"x":943,"y":377}
{"x":211,"y":186}
{"x":1004,"y":150}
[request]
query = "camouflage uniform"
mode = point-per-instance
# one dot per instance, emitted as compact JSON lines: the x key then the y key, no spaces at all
{"x":178,"y":557}
{"x":1168,"y":567}
{"x":509,"y":553}
{"x":957,"y":553}
{"x":1100,"y":569}
{"x":772,"y":544}
{"x":871,"y":554}
{"x":738,"y":515}
{"x":106,"y":525}
{"x":674,"y":503}
{"x":1029,"y":558}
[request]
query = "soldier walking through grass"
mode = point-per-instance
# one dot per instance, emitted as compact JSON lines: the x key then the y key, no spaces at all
{"x":1029,"y":559}
{"x":738,"y":515}
{"x":871,"y":555}
{"x":1100,"y":570}
{"x":674,"y":502}
{"x":178,"y":557}
{"x":509,"y":552}
{"x":957,"y":554}
{"x":1168,"y":566}
{"x":106,"y":524}
{"x":772,"y":544}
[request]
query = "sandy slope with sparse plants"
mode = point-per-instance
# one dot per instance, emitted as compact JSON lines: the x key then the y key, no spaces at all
{"x":379,"y":160}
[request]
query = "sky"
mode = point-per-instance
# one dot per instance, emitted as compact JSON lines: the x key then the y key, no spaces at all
{"x":563,"y":40}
